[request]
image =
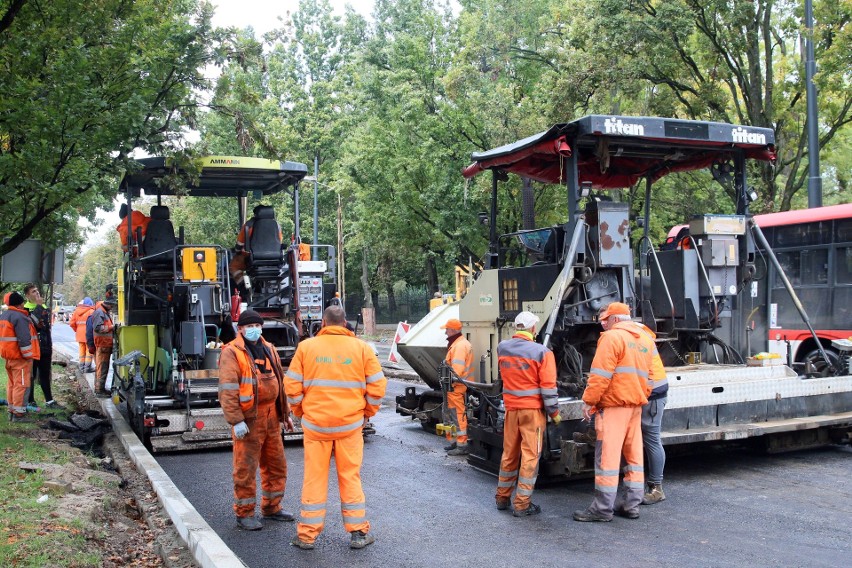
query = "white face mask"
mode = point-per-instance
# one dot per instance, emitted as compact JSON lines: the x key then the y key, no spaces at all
{"x":252,"y":333}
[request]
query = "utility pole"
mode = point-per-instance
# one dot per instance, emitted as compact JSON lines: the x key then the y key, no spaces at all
{"x":316,"y":204}
{"x":814,"y":179}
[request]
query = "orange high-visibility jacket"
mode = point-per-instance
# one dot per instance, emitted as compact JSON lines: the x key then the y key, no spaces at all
{"x":333,"y":383}
{"x":621,"y":368}
{"x":460,"y":358}
{"x":238,"y":381}
{"x":18,"y":339}
{"x":528,"y":370}
{"x":137,"y":219}
{"x":78,"y":321}
{"x":102,"y":326}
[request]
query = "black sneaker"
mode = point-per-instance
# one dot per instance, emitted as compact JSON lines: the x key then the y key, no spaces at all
{"x":627,"y":513}
{"x":589,"y":517}
{"x":53,"y":405}
{"x":299,"y":543}
{"x":249,"y":523}
{"x":280,"y":516}
{"x":533,"y":509}
{"x":360,"y":539}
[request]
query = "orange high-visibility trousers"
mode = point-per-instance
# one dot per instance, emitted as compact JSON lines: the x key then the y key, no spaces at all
{"x":19,"y":374}
{"x":262,"y":447}
{"x":102,"y":355}
{"x":457,"y":414}
{"x":348,"y":455}
{"x":619,"y":433}
{"x":523,"y":431}
{"x":84,"y":356}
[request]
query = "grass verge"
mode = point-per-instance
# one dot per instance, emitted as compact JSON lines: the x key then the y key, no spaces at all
{"x":31,"y":534}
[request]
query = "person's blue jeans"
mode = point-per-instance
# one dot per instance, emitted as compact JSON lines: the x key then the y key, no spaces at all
{"x":655,"y":455}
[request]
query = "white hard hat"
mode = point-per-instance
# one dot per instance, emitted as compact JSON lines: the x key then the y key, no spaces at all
{"x":526,"y":320}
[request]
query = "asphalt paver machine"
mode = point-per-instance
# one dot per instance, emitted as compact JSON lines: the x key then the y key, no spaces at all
{"x":697,"y":297}
{"x":178,"y":301}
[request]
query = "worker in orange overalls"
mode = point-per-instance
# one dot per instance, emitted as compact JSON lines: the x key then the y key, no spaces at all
{"x":251,"y":393}
{"x":616,"y":391}
{"x":19,"y":347}
{"x":78,"y":321}
{"x":460,"y":358}
{"x":137,"y":219}
{"x":102,"y":327}
{"x":334,"y":384}
{"x":528,"y":370}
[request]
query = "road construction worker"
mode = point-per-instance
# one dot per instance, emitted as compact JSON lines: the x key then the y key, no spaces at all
{"x":304,"y":251}
{"x":19,"y":348}
{"x":460,"y":358}
{"x":42,"y":319}
{"x":102,"y":331}
{"x":616,"y":391}
{"x":251,"y":392}
{"x":334,"y":384}
{"x":137,"y":220}
{"x":78,"y":321}
{"x":528,"y":371}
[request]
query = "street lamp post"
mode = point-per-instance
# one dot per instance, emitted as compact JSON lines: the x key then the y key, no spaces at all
{"x":341,"y":280}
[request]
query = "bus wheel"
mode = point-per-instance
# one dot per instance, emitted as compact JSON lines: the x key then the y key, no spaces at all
{"x":816,"y":359}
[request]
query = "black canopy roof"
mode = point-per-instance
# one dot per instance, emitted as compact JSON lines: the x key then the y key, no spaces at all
{"x":221,"y":176}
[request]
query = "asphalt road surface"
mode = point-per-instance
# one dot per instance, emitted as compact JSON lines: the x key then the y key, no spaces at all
{"x":724,"y":508}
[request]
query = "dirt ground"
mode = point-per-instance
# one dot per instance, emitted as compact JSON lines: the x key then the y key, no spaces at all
{"x":122,"y":519}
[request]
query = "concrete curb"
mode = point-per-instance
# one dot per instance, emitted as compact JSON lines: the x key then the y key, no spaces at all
{"x":209,"y":550}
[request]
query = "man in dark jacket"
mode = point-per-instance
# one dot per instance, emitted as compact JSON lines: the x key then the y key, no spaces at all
{"x":41,"y":318}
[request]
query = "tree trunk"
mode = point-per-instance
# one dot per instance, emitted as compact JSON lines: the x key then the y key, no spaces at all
{"x":365,"y":281}
{"x":431,"y":275}
{"x":391,"y":298}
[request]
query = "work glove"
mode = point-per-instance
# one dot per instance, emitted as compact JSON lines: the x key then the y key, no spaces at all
{"x":241,"y":430}
{"x":556,"y":419}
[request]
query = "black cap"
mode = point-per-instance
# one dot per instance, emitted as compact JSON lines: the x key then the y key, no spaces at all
{"x":250,"y":316}
{"x":15,"y":299}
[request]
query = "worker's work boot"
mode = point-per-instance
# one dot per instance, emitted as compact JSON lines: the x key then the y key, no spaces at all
{"x":450,"y":447}
{"x":627,"y":513}
{"x":249,"y":523}
{"x":654,"y":494}
{"x":502,"y":504}
{"x":281,"y":516}
{"x":299,"y":543}
{"x":590,"y":436}
{"x":19,"y":418}
{"x":589,"y":517}
{"x":360,"y":539}
{"x":459,"y":450}
{"x":533,"y":509}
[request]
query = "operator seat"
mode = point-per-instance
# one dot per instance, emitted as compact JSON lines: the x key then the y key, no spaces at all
{"x":266,"y":257}
{"x":158,"y":246}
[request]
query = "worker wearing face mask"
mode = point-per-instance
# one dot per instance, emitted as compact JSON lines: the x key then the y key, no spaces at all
{"x":251,"y":393}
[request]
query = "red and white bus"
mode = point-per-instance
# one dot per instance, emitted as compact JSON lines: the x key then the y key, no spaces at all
{"x":814,"y":247}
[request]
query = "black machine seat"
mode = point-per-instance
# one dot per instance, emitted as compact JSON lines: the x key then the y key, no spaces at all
{"x":264,"y":244}
{"x":158,"y":246}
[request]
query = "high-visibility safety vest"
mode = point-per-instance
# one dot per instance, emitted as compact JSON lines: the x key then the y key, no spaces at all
{"x":528,"y":370}
{"x":18,"y":339}
{"x":333,"y":383}
{"x":621,"y":369}
{"x":239,"y":381}
{"x":460,"y":358}
{"x":102,"y":327}
{"x":78,"y":321}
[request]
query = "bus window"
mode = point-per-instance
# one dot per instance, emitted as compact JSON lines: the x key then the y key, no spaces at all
{"x":815,"y":266}
{"x":844,"y":231}
{"x":789,"y":262}
{"x":844,"y":265}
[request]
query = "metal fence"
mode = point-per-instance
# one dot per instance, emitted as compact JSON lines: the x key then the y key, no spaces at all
{"x":411,"y":305}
